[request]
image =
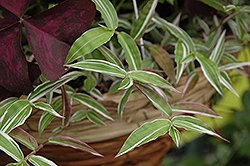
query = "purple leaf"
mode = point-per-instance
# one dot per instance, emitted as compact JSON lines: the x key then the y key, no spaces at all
{"x":7,"y":18}
{"x":17,"y":7}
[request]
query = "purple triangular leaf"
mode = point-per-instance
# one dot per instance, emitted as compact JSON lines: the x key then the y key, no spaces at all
{"x":18,"y":7}
{"x":7,"y":18}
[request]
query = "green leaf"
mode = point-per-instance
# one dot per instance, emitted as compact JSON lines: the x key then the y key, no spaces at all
{"x":95,"y":118}
{"x":96,"y":93}
{"x":157,"y":100}
{"x":124,"y":100}
{"x":15,"y":115}
{"x":218,"y":51}
{"x":151,"y":78}
{"x":163,"y":59}
{"x":226,"y":81}
{"x":88,"y":41}
{"x":114,"y":86}
{"x":21,"y":163}
{"x":193,"y":124}
{"x":203,"y":25}
{"x":73,"y":143}
{"x":66,"y":107}
{"x":230,"y":58}
{"x":194,"y":108}
{"x":211,"y":72}
{"x":147,"y":132}
{"x":40,"y":161}
{"x":48,"y":86}
{"x":91,"y":103}
{"x":101,"y":66}
{"x":175,"y":135}
{"x":47,"y":108}
{"x":108,"y":13}
{"x":10,"y":147}
{"x":213,"y":38}
{"x":177,"y":32}
{"x":231,"y":66}
{"x":190,"y":82}
{"x":132,"y":53}
{"x":24,"y":138}
{"x":126,"y":83}
{"x":110,"y":56}
{"x":144,"y":19}
{"x":217,"y":4}
{"x":89,"y":84}
{"x":79,"y":115}
{"x":4,"y":104}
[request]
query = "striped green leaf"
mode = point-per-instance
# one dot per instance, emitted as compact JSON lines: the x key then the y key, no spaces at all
{"x":151,"y":78}
{"x":147,"y":132}
{"x":47,"y":108}
{"x":175,"y":135}
{"x":193,"y":108}
{"x":217,"y":4}
{"x":4,"y":104}
{"x":21,"y":163}
{"x":218,"y":51}
{"x":79,"y":115}
{"x":193,"y":124}
{"x":100,"y":66}
{"x":126,"y":83}
{"x":144,"y":19}
{"x":213,"y":38}
{"x":211,"y":72}
{"x":177,"y":32}
{"x":108,"y":13}
{"x":40,"y":161}
{"x":163,"y":59}
{"x":132,"y":53}
{"x":49,"y":86}
{"x":95,"y":118}
{"x":124,"y":100}
{"x":226,"y":81}
{"x":190,"y":82}
{"x":231,"y":66}
{"x":10,"y":147}
{"x":235,"y":28}
{"x":157,"y":100}
{"x":88,"y":41}
{"x":110,"y":56}
{"x":66,"y":107}
{"x":230,"y":58}
{"x":96,"y":93}
{"x":15,"y":115}
{"x":24,"y":138}
{"x":114,"y":86}
{"x":203,"y":25}
{"x":91,"y":103}
{"x":73,"y":143}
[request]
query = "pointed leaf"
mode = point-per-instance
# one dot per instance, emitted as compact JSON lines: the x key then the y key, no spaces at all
{"x":148,"y":131}
{"x":157,"y":100}
{"x":190,"y":82}
{"x":226,"y":81}
{"x":66,"y":107}
{"x":95,"y":118}
{"x":108,"y":13}
{"x":124,"y":100}
{"x":15,"y":115}
{"x":24,"y":138}
{"x":163,"y":59}
{"x":16,"y":7}
{"x":151,"y":78}
{"x":10,"y":147}
{"x":73,"y":143}
{"x":114,"y":86}
{"x":91,"y":103}
{"x":89,"y":84}
{"x":40,"y":161}
{"x":126,"y":83}
{"x":144,"y":19}
{"x":4,"y":104}
{"x":194,"y":108}
{"x":101,"y":66}
{"x":231,"y":66}
{"x":47,"y":108}
{"x":230,"y":58}
{"x":217,"y":4}
{"x":211,"y":72}
{"x":89,"y":41}
{"x":79,"y":115}
{"x":175,"y":135}
{"x":132,"y":53}
{"x":22,"y":163}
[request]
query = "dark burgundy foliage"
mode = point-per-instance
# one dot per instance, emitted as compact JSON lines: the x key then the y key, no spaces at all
{"x":198,"y":8}
{"x":50,"y":35}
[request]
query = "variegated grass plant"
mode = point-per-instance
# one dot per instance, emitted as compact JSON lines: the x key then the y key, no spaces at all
{"x":96,"y":54}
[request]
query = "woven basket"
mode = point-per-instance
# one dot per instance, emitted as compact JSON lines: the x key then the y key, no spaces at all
{"x":108,"y":139}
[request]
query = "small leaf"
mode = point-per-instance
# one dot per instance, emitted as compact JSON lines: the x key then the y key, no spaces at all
{"x":144,"y":19}
{"x":89,"y":41}
{"x":95,"y":118}
{"x":211,"y":72}
{"x":10,"y":147}
{"x":190,"y":82}
{"x":226,"y":81}
{"x":162,"y":57}
{"x":108,"y":13}
{"x":24,"y":138}
{"x":114,"y":86}
{"x":91,"y":103}
{"x":40,"y":161}
{"x":73,"y":143}
{"x":176,"y":135}
{"x":132,"y":53}
{"x":194,"y":108}
{"x":89,"y":84}
{"x":15,"y":115}
{"x":157,"y":100}
{"x":48,"y":108}
{"x":4,"y":104}
{"x":66,"y":107}
{"x":231,"y":66}
{"x":101,"y":66}
{"x":79,"y":115}
{"x":124,"y":100}
{"x":147,"y":132}
{"x":151,"y":78}
{"x":126,"y":83}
